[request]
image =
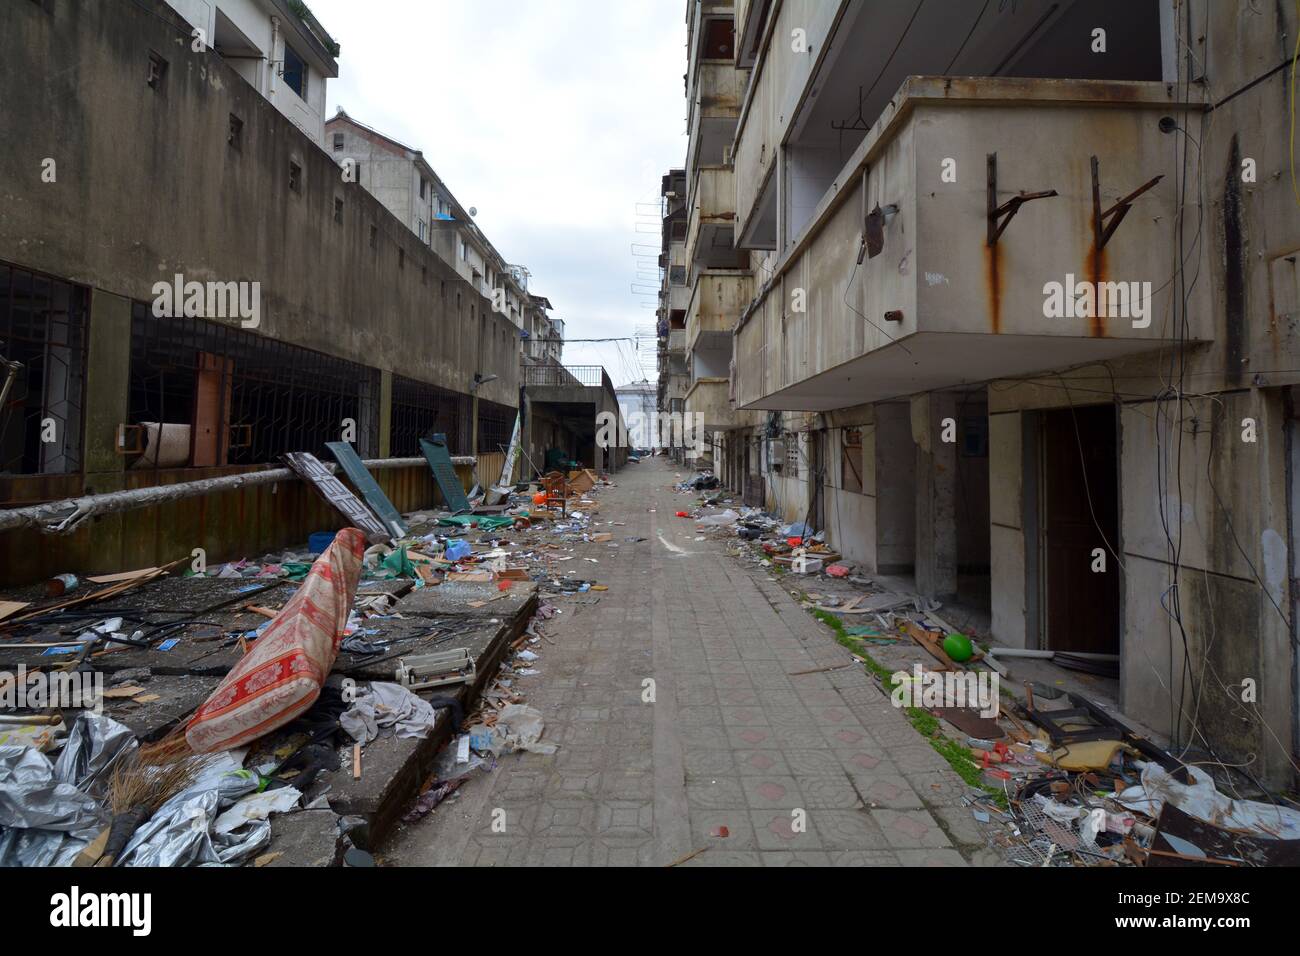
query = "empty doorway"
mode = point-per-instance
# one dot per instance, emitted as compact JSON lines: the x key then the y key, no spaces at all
{"x":1080,"y":530}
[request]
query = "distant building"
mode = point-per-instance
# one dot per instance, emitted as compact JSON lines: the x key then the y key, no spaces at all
{"x":638,"y":403}
{"x":401,"y":178}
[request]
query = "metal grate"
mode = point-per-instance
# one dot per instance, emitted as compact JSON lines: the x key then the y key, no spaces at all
{"x":496,"y":424}
{"x":258,"y":397}
{"x":42,"y":328}
{"x":420,"y":410}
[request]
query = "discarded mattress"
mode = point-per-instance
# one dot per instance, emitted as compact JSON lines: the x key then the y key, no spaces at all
{"x":282,"y":675}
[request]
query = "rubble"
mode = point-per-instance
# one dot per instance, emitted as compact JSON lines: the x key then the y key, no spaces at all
{"x":1054,"y":778}
{"x":431,"y":635}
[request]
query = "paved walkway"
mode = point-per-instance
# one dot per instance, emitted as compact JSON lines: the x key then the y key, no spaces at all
{"x":813,"y":768}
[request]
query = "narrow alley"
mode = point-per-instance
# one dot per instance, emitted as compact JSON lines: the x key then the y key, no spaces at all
{"x":744,"y":730}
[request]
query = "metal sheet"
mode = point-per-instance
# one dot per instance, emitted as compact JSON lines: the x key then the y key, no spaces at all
{"x":360,"y":477}
{"x":309,"y":468}
{"x":439,"y":459}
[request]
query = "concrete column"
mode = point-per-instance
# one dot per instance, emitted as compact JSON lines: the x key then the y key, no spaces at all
{"x":108,"y":387}
{"x":385,"y":413}
{"x":934,"y":418}
{"x":107,"y":404}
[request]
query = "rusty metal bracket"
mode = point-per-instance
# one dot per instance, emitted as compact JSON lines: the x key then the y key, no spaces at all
{"x":1000,"y":216}
{"x":1101,"y":229}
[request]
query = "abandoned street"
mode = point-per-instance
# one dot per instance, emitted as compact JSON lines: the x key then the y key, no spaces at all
{"x":744,"y":729}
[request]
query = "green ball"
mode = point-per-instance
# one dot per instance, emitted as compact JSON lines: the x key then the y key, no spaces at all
{"x":958,"y":647}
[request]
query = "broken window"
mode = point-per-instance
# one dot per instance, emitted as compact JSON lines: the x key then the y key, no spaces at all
{"x":338,"y":142}
{"x":235,"y":132}
{"x":295,"y":177}
{"x":156,"y":71}
{"x":420,"y":410}
{"x":295,"y":72}
{"x":42,"y":372}
{"x":209,"y":394}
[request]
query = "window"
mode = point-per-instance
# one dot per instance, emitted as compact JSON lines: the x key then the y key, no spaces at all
{"x":338,"y":209}
{"x":245,"y":398}
{"x":338,"y":142}
{"x":464,"y":250}
{"x":851,"y":460}
{"x":420,"y":410}
{"x":157,"y":70}
{"x":235,"y":132}
{"x":294,"y":72}
{"x":295,"y":177}
{"x":374,"y":236}
{"x":43,"y":328}
{"x":401,"y":258}
{"x":422,"y":187}
{"x":423,"y":231}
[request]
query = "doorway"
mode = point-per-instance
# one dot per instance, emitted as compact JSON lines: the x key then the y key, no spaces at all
{"x":1080,"y":530}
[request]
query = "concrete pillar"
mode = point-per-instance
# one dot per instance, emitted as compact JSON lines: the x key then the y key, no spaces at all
{"x":107,"y":404}
{"x":934,"y":419}
{"x":385,"y":413}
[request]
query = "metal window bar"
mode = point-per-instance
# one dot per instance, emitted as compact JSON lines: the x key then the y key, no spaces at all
{"x":271,"y":397}
{"x":43,"y":323}
{"x":421,"y":410}
{"x":496,"y":425}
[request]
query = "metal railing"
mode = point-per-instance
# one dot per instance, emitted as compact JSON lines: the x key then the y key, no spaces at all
{"x":590,"y":376}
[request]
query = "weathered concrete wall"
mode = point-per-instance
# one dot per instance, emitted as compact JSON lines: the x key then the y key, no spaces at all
{"x":148,"y":186}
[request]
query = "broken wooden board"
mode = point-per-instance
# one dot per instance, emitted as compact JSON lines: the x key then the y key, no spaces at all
{"x":309,"y":468}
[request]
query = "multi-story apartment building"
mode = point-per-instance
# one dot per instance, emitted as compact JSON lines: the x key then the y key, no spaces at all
{"x":401,"y":178}
{"x":278,"y":46}
{"x":674,"y":297}
{"x":240,"y":300}
{"x":1013,"y":291}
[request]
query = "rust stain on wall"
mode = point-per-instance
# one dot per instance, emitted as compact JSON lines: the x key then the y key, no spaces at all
{"x":993,"y":281}
{"x":1096,"y":273}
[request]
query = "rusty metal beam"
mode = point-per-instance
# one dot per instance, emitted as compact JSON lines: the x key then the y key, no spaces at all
{"x":1101,"y":229}
{"x":999,"y":216}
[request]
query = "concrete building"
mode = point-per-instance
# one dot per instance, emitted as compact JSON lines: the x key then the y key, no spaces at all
{"x":306,"y":312}
{"x":1011,"y":290}
{"x":277,"y":46}
{"x":674,"y":296}
{"x":399,"y":177}
{"x":638,"y":402}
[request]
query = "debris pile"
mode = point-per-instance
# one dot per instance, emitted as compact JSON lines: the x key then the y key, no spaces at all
{"x":223,"y":703}
{"x":1055,"y":778}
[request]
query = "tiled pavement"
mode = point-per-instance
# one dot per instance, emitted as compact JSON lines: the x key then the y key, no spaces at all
{"x":813,"y":768}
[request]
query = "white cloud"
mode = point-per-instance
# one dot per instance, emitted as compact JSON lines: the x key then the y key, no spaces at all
{"x":554,"y":118}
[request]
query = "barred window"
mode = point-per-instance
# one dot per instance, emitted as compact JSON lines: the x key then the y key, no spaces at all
{"x":206,"y":393}
{"x":43,"y":361}
{"x":421,"y":410}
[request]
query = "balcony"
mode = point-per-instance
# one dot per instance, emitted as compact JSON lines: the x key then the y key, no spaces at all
{"x":714,"y":108}
{"x":710,"y":398}
{"x":676,"y":340}
{"x":709,"y":229}
{"x":719,"y":297}
{"x":949,"y":300}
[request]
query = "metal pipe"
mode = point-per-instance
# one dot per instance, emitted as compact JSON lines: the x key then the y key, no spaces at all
{"x":63,"y":517}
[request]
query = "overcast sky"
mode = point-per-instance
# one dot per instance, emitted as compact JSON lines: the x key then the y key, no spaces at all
{"x":555,"y":118}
